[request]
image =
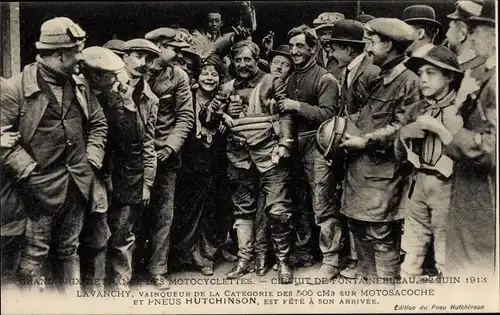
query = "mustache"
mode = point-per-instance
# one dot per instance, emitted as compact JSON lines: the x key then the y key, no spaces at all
{"x":244,"y":68}
{"x":141,"y":69}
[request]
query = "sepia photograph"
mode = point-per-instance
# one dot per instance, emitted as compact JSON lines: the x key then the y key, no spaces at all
{"x":234,"y":157}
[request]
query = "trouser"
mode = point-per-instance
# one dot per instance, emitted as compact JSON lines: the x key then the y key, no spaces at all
{"x":60,"y":232}
{"x":158,"y":221}
{"x":11,"y":246}
{"x":261,"y":229}
{"x":321,"y":186}
{"x":425,"y":223}
{"x":378,"y":245}
{"x":93,"y":246}
{"x":274,"y":185}
{"x":122,"y":219}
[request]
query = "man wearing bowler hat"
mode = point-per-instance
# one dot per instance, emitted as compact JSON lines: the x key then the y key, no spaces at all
{"x":281,"y":62}
{"x":323,"y":26}
{"x":423,"y":20}
{"x":471,"y":246}
{"x":459,"y":37}
{"x":63,"y":133}
{"x":373,"y":180}
{"x":348,"y":48}
{"x":429,"y":125}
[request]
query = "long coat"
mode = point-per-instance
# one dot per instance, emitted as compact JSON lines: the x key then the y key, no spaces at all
{"x":471,"y":223}
{"x":23,"y":105}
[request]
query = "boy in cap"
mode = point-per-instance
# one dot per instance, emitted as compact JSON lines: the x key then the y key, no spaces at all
{"x":323,"y":27}
{"x":423,"y":20}
{"x":428,"y":126}
{"x":373,"y":181}
{"x":471,"y":246}
{"x":459,"y":35}
{"x":174,"y":121}
{"x":312,"y":96}
{"x":63,"y":133}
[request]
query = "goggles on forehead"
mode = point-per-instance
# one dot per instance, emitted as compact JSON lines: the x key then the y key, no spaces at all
{"x":76,"y":33}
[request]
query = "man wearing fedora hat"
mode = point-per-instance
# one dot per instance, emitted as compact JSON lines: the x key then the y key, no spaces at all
{"x":63,"y":133}
{"x":373,"y":181}
{"x":428,"y":125}
{"x":471,"y":246}
{"x":423,"y":20}
{"x":460,"y":38}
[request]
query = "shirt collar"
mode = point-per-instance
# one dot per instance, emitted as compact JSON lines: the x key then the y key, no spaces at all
{"x":392,"y":74}
{"x":239,"y":83}
{"x":491,"y":62}
{"x":466,"y":56}
{"x":355,"y":62}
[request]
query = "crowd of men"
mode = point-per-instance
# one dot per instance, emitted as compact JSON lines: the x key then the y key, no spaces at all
{"x":359,"y":142}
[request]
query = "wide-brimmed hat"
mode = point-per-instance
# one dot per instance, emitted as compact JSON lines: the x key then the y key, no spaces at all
{"x":464,"y":9}
{"x":348,"y":31}
{"x":439,"y":56}
{"x":487,"y":16}
{"x":282,"y":50}
{"x":60,"y":32}
{"x":421,"y":14}
{"x":331,"y":134}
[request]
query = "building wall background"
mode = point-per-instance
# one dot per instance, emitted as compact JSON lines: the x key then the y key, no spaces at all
{"x":103,"y":20}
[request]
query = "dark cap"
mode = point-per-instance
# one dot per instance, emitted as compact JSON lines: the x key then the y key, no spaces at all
{"x":282,"y":50}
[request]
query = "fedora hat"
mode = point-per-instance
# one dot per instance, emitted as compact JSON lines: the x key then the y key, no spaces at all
{"x":349,"y":31}
{"x":331,"y":134}
{"x":439,"y":56}
{"x":282,"y":50}
{"x":421,"y":14}
{"x":487,"y":16}
{"x":464,"y":9}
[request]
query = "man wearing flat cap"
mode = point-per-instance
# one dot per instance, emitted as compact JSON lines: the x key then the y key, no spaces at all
{"x":373,"y":182}
{"x":63,"y":133}
{"x":115,"y":45}
{"x":423,"y":20}
{"x":171,"y":42}
{"x":174,"y":121}
{"x":428,"y":126}
{"x":471,"y":246}
{"x":459,"y":36}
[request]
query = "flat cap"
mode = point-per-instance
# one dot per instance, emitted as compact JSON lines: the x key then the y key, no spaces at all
{"x":162,"y":32}
{"x":60,"y":32}
{"x":397,"y":30}
{"x":115,"y":45}
{"x":100,"y":58}
{"x":140,"y":44}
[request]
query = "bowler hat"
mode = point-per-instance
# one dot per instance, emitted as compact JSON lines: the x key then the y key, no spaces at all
{"x":349,"y":31}
{"x":263,"y":65}
{"x":439,"y":56}
{"x":103,"y":59}
{"x":364,"y":18}
{"x":487,"y":16}
{"x":397,"y":30}
{"x":60,"y":32}
{"x":115,"y":45}
{"x":421,"y":14}
{"x":282,"y":50}
{"x":141,"y":44}
{"x":331,"y":134}
{"x":465,"y":9}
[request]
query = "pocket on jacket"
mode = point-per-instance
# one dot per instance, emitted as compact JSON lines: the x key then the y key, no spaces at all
{"x":376,"y":169}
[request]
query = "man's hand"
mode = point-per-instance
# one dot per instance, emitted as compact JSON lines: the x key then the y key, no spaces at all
{"x":164,"y":154}
{"x":435,"y":126}
{"x":289,"y":106}
{"x":146,"y":195}
{"x":279,"y":152}
{"x":354,"y":142}
{"x":412,"y":131}
{"x":268,"y":42}
{"x":8,"y":139}
{"x":240,"y":33}
{"x":235,"y":106}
